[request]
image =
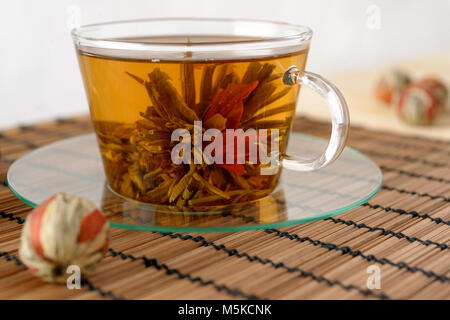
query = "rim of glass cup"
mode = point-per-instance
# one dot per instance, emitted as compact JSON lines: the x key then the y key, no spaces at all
{"x":291,"y":37}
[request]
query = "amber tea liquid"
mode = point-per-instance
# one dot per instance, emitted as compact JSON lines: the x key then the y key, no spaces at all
{"x":136,"y":104}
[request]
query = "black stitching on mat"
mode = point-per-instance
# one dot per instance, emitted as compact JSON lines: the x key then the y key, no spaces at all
{"x":11,"y":217}
{"x":5,"y":160}
{"x":385,"y":232}
{"x":65,"y":120}
{"x":45,"y":132}
{"x":276,"y":265}
{"x":415,"y":193}
{"x":91,"y":287}
{"x":79,"y":124}
{"x":26,"y":143}
{"x":24,"y":127}
{"x":11,"y":257}
{"x":103,"y":293}
{"x":356,"y":253}
{"x":405,"y":158}
{"x":413,"y":174}
{"x":151,"y":262}
{"x":413,"y":213}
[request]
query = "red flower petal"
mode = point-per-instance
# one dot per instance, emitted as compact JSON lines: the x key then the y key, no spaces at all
{"x":229,"y":103}
{"x":91,"y":225}
{"x":226,"y":100}
{"x":236,"y":168}
{"x":35,"y":226}
{"x":234,"y":116}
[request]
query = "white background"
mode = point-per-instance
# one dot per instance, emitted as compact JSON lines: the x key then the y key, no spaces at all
{"x":39,"y":76}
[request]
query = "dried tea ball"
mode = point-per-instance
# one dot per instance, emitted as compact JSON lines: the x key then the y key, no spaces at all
{"x":437,"y":88}
{"x":390,"y":86}
{"x":417,"y":106}
{"x":64,"y":230}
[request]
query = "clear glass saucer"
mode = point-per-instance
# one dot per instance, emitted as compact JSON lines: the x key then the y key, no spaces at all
{"x":74,"y":166}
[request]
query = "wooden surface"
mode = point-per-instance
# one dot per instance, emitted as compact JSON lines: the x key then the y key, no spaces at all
{"x":367,"y":112}
{"x":404,"y":231}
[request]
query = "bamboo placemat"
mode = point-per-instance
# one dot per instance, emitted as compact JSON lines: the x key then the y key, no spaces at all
{"x":404,"y":231}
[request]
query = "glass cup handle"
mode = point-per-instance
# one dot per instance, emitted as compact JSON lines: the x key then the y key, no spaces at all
{"x":340,"y":119}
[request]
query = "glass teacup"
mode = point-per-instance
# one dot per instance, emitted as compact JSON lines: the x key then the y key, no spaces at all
{"x":197,"y":112}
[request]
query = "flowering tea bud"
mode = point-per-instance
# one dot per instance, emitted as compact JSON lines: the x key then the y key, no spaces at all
{"x":390,"y":86}
{"x":417,"y":106}
{"x":437,"y":88}
{"x":64,"y":230}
